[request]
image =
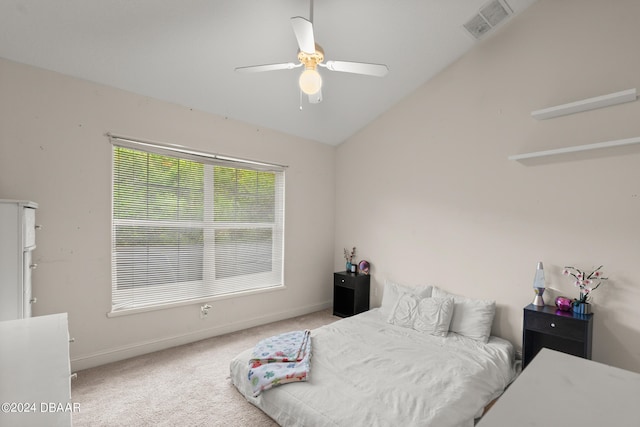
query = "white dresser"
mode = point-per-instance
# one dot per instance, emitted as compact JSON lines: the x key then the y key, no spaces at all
{"x":558,"y":389}
{"x":17,"y":242}
{"x":34,"y":366}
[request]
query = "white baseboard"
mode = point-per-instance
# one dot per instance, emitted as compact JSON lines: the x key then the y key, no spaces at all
{"x":140,"y":348}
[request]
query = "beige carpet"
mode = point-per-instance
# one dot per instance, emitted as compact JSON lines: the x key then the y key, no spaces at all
{"x":182,"y":386}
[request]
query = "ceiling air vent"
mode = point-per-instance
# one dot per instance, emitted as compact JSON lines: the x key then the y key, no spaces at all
{"x":490,"y":15}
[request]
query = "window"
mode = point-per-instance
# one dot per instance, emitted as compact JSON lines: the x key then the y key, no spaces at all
{"x":190,"y":226}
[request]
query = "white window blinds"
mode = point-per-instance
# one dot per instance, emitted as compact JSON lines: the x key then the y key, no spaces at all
{"x":191,"y":226}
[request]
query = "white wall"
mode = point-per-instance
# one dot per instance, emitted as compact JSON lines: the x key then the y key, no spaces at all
{"x":53,"y":150}
{"x":433,"y":199}
{"x":431,"y":196}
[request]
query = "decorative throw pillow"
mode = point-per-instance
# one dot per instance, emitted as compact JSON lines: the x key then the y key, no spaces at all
{"x":433,"y":316}
{"x":403,"y":312}
{"x":471,"y":317}
{"x":393,"y":291}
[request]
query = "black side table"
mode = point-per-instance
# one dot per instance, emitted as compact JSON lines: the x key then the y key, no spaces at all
{"x":350,"y":293}
{"x":563,"y":331}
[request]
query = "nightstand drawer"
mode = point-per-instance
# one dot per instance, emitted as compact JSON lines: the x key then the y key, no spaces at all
{"x":344,"y":281}
{"x":556,"y":325}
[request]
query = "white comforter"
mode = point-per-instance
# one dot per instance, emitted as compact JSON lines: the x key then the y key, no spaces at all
{"x":365,"y":371}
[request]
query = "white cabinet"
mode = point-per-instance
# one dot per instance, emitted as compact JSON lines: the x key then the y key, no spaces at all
{"x":34,"y":366}
{"x":17,"y":242}
{"x":555,"y":388}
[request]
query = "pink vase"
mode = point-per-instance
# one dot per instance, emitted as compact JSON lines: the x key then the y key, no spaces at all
{"x":563,"y":303}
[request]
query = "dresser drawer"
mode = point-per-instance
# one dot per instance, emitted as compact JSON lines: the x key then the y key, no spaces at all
{"x":344,"y":281}
{"x":557,"y":325}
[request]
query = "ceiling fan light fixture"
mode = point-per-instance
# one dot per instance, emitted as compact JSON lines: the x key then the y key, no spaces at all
{"x":310,"y":81}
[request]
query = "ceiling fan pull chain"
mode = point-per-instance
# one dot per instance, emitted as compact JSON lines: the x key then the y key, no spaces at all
{"x":301,"y":98}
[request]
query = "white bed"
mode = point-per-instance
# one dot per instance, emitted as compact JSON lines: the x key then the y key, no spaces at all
{"x":366,"y":371}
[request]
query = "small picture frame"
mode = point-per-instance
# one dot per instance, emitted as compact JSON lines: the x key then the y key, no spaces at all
{"x":354,"y":268}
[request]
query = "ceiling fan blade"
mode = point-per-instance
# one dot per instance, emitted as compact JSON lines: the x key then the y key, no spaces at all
{"x":303,"y":30}
{"x":267,"y":67}
{"x":316,"y":98}
{"x":378,"y":70}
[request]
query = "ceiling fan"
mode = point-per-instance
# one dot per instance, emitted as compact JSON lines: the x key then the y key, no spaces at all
{"x":311,"y":56}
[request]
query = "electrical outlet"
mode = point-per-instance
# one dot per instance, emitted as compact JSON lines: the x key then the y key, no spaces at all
{"x":204,"y":311}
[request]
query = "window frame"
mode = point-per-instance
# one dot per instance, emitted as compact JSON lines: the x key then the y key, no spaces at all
{"x":209,"y":227}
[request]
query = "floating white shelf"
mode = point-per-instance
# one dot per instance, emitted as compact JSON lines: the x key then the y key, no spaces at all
{"x":586,"y":104}
{"x":576,"y":148}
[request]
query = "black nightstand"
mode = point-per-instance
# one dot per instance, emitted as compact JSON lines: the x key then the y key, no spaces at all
{"x":350,"y":293}
{"x":563,"y":331}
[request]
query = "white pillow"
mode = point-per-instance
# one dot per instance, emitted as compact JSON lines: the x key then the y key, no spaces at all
{"x":404,"y":311}
{"x":471,"y":317}
{"x":393,"y":291}
{"x":433,"y":316}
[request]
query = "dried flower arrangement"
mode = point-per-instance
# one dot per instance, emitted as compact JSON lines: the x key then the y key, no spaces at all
{"x":349,"y":255}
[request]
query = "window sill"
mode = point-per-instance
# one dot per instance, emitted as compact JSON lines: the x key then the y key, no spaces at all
{"x":137,"y":310}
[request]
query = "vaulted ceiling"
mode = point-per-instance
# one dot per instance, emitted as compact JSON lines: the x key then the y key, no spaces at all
{"x":185,"y":52}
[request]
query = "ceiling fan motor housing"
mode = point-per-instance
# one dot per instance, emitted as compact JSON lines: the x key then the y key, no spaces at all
{"x":311,"y":60}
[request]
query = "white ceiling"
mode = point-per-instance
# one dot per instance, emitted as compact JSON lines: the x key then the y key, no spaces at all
{"x":185,"y":51}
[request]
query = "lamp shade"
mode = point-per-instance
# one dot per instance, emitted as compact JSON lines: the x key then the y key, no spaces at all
{"x":538,"y":286}
{"x":538,"y":280}
{"x":310,"y":81}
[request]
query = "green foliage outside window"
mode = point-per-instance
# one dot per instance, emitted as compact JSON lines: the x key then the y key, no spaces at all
{"x":154,"y":187}
{"x":154,"y":195}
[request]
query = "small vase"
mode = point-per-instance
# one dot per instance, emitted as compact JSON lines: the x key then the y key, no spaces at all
{"x":582,"y":308}
{"x":563,"y":303}
{"x":348,"y":267}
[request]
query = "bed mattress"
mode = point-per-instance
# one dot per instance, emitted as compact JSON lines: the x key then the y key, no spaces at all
{"x":365,"y":371}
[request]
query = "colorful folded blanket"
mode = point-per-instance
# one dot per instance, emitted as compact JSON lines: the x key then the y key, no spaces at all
{"x":279,"y":360}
